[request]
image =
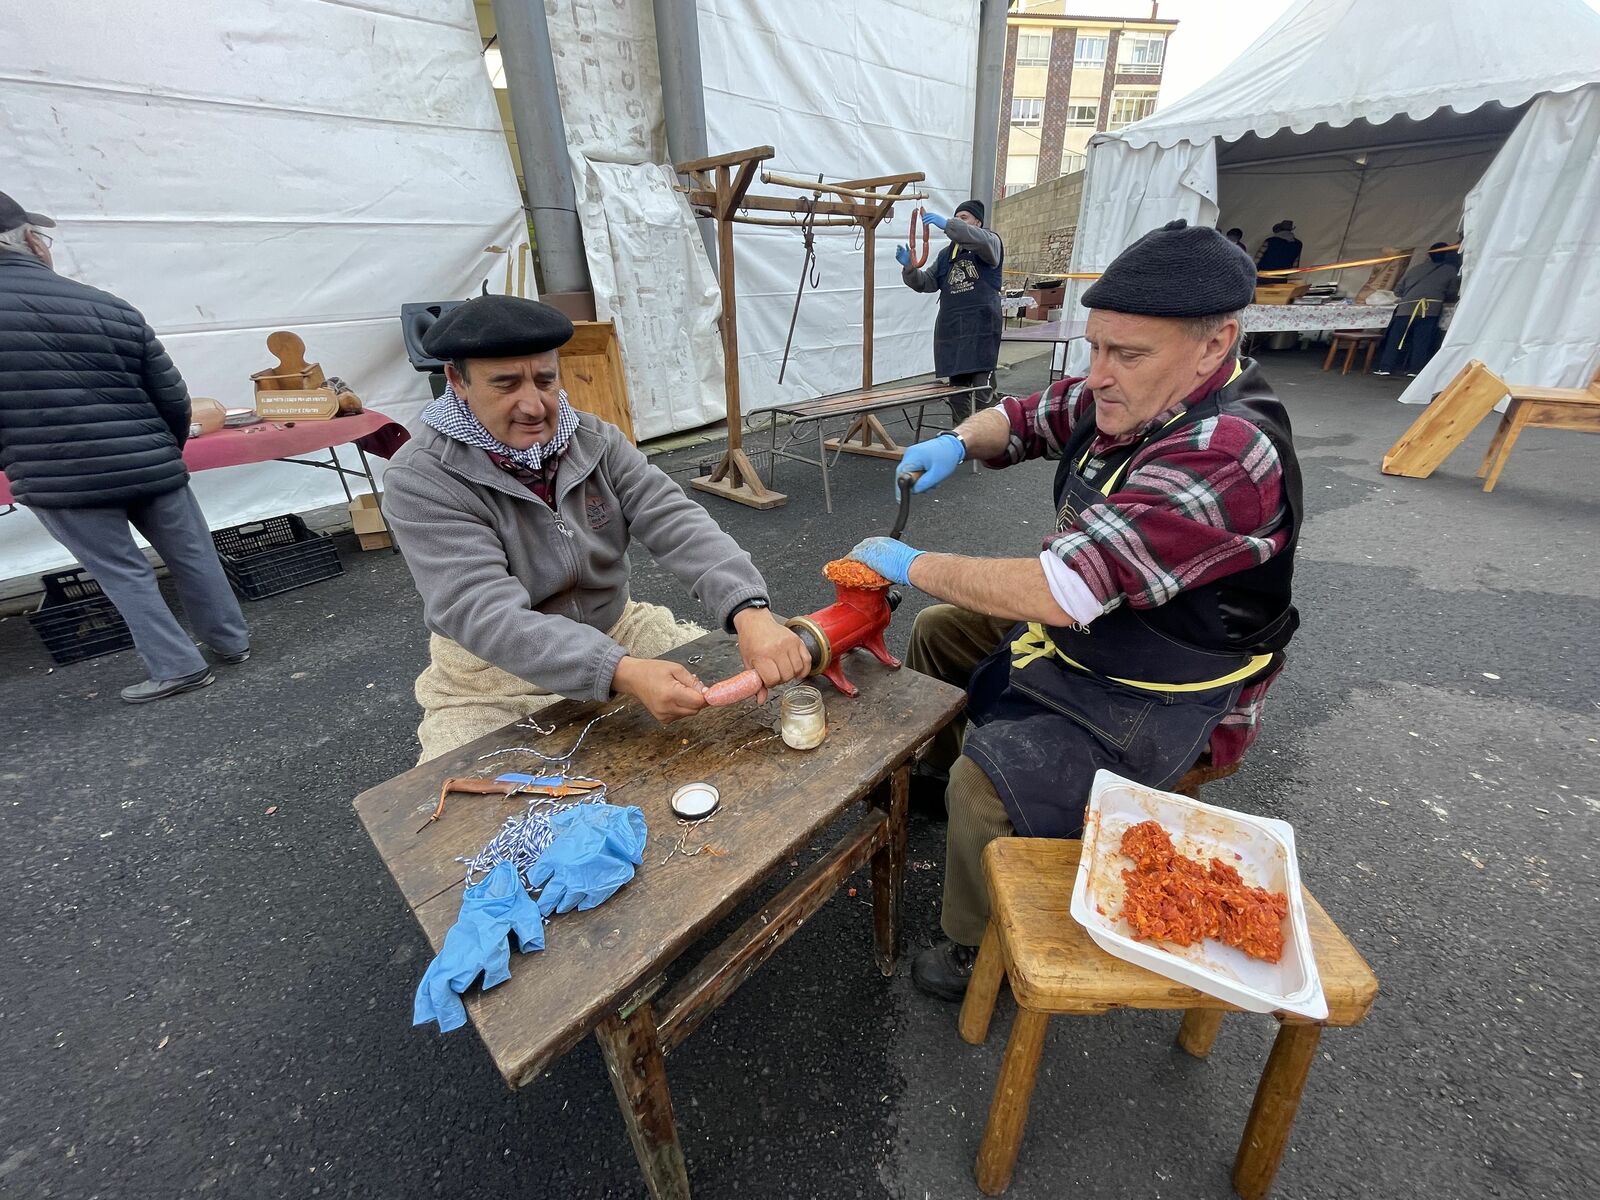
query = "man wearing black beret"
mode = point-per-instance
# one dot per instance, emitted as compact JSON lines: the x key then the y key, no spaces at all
{"x":1144,"y":635}
{"x":515,"y":512}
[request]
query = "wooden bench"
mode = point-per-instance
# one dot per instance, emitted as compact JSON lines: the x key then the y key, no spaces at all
{"x":1467,"y":399}
{"x":1054,"y":967}
{"x":1542,"y":408}
{"x":866,"y":434}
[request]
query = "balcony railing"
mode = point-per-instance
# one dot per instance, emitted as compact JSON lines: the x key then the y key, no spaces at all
{"x":1135,"y":68}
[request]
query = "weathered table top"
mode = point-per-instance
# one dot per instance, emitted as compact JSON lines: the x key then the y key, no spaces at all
{"x":773,"y":801}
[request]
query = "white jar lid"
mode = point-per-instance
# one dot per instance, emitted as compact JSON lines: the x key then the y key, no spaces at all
{"x":695,"y":801}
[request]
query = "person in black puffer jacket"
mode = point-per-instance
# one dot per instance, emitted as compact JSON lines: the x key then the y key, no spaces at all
{"x":93,"y":417}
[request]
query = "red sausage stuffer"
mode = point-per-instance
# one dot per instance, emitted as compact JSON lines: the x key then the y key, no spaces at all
{"x":856,"y":619}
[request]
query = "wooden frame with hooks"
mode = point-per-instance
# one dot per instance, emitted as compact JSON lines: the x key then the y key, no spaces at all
{"x":719,"y":188}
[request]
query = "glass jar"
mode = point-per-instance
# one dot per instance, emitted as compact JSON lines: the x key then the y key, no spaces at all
{"x":802,"y":720}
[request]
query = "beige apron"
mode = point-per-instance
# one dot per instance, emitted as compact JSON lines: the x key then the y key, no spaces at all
{"x":463,"y":697}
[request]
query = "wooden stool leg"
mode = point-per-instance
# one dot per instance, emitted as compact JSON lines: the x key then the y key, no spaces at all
{"x":1277,"y":1100}
{"x":1008,"y":1112}
{"x":977,"y":1007}
{"x":1372,"y":348}
{"x":639,"y":1077}
{"x":1198,"y":1032}
{"x":889,"y":872}
{"x":1333,"y":348}
{"x":1349,"y":356}
{"x":1516,"y":420}
{"x":1494,"y":444}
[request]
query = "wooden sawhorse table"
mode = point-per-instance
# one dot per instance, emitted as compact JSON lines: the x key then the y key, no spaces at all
{"x":601,"y":971}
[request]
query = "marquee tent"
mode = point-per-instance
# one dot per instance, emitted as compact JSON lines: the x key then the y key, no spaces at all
{"x":1376,"y":126}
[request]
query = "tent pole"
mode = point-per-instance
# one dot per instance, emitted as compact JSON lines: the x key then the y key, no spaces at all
{"x":986,"y":103}
{"x":683,"y":95}
{"x":524,"y":39}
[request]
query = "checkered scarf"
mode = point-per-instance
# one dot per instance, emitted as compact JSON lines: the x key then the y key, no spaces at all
{"x":450,"y":415}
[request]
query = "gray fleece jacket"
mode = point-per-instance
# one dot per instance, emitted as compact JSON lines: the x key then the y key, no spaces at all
{"x":533,"y":590}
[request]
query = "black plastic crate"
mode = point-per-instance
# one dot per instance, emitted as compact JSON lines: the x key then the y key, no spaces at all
{"x":76,"y":620}
{"x":263,"y":558}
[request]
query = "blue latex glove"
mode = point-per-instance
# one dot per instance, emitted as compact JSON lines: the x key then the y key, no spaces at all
{"x":934,"y":219}
{"x":902,"y":255}
{"x":886,"y":556}
{"x":492,"y":908}
{"x":594,"y":853}
{"x":936,"y":458}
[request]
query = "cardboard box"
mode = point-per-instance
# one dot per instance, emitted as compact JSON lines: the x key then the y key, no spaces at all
{"x":375,"y":541}
{"x":366,"y":517}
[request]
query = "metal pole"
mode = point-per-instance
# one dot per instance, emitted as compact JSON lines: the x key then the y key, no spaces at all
{"x":986,"y":103}
{"x":523,"y":36}
{"x":683,"y":95}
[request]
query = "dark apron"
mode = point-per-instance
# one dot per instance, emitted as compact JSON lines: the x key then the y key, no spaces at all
{"x":966,"y":335}
{"x":1050,"y":705}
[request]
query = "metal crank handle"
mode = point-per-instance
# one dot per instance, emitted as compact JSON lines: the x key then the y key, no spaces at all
{"x":904,"y":482}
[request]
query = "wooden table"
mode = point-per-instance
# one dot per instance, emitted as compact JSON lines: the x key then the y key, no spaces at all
{"x":601,"y":971}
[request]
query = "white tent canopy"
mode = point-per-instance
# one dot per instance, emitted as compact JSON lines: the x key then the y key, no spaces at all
{"x":1373,"y":126}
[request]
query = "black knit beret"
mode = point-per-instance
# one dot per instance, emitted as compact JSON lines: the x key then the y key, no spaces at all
{"x":497,"y":327}
{"x":975,"y":207}
{"x":1179,"y":270}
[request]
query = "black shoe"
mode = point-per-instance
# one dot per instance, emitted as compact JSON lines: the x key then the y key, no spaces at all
{"x":232,"y":660}
{"x":160,"y":689}
{"x":927,"y":795}
{"x":944,"y":969}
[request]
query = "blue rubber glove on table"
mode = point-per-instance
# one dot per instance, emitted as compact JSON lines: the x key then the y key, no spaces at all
{"x":491,"y":910}
{"x":937,"y":458}
{"x":595,"y":851}
{"x":886,"y":556}
{"x":902,"y":255}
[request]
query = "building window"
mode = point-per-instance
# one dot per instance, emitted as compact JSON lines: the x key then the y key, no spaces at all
{"x":1071,"y":162}
{"x":1021,"y":170}
{"x":1126,"y":109}
{"x":1141,"y":54}
{"x":1025,"y":111}
{"x":1033,"y":49}
{"x":1082,"y":116}
{"x":1089,"y":52}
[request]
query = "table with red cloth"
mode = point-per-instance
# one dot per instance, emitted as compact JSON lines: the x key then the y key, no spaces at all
{"x":279,"y":441}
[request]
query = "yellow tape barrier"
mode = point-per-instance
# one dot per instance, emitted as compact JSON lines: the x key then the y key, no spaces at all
{"x":1279,"y":274}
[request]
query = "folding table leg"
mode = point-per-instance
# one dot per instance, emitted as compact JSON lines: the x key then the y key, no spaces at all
{"x":822,"y":457}
{"x":638,"y":1073}
{"x":338,"y":469}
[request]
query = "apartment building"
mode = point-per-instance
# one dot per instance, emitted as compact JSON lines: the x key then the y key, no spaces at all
{"x":1067,"y":77}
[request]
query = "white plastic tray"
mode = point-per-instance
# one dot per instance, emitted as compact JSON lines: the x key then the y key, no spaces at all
{"x":1261,"y":848}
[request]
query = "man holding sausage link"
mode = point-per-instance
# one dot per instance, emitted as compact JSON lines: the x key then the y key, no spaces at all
{"x":515,"y":513}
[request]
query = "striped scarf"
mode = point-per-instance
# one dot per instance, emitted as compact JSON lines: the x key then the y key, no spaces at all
{"x":450,"y":415}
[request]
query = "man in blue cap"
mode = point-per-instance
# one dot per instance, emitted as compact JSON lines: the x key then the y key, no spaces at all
{"x":1148,"y":628}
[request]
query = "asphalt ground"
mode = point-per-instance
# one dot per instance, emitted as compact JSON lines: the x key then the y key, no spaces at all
{"x":207,"y":975}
